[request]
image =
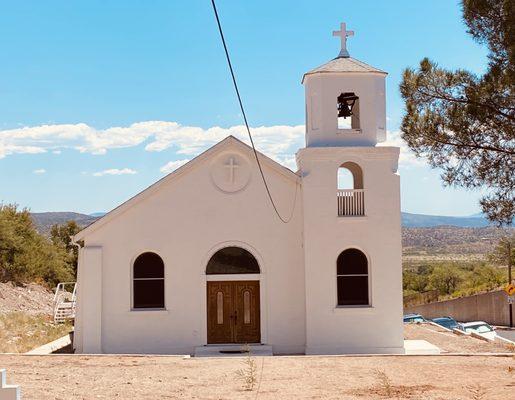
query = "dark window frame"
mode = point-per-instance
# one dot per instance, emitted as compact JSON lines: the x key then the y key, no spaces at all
{"x":218,"y":259}
{"x":134,"y":279}
{"x":351,"y":277}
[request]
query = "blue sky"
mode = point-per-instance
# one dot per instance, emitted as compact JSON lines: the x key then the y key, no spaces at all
{"x":98,"y":99}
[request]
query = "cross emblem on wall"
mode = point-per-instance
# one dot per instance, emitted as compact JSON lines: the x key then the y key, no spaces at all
{"x":231,"y":166}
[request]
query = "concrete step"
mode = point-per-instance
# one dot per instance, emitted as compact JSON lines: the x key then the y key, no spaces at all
{"x":233,"y":350}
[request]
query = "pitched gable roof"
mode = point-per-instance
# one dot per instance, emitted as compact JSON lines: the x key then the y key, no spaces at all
{"x":343,"y":64}
{"x":228,"y":141}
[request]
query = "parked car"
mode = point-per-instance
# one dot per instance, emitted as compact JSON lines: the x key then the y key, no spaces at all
{"x":417,"y":318}
{"x":481,"y":328}
{"x":447,"y":322}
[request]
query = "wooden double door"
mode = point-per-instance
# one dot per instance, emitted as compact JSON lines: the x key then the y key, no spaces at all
{"x":233,"y":312}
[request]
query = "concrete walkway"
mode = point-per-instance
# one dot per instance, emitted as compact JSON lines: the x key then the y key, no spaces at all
{"x":420,"y":348}
{"x":505,"y":332}
{"x":51,"y":347}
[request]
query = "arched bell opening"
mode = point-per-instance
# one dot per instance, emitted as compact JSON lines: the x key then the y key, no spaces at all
{"x":350,"y":176}
{"x":350,"y":193}
{"x":348,"y":111}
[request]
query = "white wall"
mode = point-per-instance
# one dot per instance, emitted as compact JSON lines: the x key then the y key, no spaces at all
{"x":184,"y":222}
{"x":332,"y":329}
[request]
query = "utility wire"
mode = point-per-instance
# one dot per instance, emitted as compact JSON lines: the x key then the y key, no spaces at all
{"x":247,"y":124}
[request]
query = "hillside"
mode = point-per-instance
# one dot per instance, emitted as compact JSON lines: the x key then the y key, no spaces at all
{"x":449,"y":243}
{"x":422,"y":220}
{"x":44,"y":221}
{"x":451,"y":238}
{"x":30,"y":299}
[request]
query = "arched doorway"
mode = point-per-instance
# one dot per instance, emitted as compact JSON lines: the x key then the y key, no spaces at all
{"x":233,"y":306}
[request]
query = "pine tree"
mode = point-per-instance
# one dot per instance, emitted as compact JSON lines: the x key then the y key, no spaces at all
{"x":465,"y":124}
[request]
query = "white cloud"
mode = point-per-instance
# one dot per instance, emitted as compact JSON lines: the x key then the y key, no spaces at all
{"x":173,"y":165}
{"x":116,"y":171}
{"x":8,"y":149}
{"x":279,"y":142}
{"x":39,"y":171}
{"x":406,"y":157}
{"x":56,"y":151}
{"x":44,"y":138}
{"x":161,"y":135}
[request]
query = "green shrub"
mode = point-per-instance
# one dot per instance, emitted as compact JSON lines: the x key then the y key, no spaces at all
{"x":27,"y":256}
{"x":452,"y":279}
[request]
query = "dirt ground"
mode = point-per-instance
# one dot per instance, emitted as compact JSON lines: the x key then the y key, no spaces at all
{"x":30,"y":299}
{"x":302,"y":377}
{"x":449,"y":342}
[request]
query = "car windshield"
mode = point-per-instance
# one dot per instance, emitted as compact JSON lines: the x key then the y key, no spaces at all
{"x":446,"y":322}
{"x":479,"y":328}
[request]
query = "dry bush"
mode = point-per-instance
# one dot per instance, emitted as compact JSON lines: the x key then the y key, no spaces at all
{"x":385,"y":388}
{"x":249,"y":373}
{"x":510,"y":347}
{"x":477,"y":392}
{"x":385,"y":383}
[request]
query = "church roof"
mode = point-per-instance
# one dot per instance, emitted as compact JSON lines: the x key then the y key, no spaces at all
{"x":220,"y":146}
{"x":343,"y":64}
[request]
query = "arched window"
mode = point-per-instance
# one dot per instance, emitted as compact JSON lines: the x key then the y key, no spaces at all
{"x":232,"y":260}
{"x":352,"y":278}
{"x":148,"y":281}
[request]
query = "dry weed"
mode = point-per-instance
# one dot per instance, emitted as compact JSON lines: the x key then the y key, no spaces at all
{"x":477,"y":392}
{"x":385,"y":383}
{"x":249,"y":372}
{"x":385,"y":388}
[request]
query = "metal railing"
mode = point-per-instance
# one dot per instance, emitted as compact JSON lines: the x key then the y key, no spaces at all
{"x":351,"y":202}
{"x":64,"y":301}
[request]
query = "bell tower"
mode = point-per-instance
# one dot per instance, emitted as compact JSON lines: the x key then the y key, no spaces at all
{"x":351,"y":205}
{"x":345,"y":101}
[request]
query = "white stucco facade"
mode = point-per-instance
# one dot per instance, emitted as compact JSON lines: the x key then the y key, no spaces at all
{"x":218,"y":200}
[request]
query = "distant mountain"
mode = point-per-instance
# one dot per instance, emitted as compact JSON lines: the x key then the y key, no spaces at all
{"x":97,"y":214}
{"x":427,"y":221}
{"x":44,"y":221}
{"x":478,"y":215}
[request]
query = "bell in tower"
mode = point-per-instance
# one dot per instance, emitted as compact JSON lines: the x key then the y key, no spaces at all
{"x":345,"y":106}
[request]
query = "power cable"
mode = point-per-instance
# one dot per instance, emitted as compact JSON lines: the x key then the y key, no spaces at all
{"x":285,"y":221}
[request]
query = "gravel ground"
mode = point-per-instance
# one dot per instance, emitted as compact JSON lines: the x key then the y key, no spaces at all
{"x":449,"y":342}
{"x":302,"y":377}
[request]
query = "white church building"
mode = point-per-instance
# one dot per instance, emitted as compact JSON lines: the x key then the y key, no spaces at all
{"x":200,"y":260}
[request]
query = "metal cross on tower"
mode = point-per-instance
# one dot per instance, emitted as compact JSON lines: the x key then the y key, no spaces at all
{"x":344,"y":34}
